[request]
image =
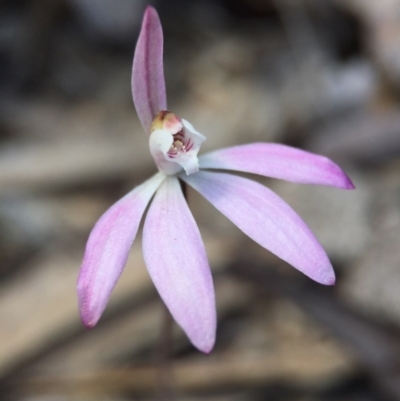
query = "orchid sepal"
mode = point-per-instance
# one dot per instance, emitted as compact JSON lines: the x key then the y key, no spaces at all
{"x":148,"y":84}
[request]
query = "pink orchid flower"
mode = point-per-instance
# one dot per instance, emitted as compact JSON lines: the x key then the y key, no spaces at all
{"x":173,"y":250}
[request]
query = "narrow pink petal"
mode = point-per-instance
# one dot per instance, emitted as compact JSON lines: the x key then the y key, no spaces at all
{"x":177,"y":262}
{"x":278,"y":161}
{"x":108,"y":247}
{"x":267,"y":219}
{"x":148,"y":86}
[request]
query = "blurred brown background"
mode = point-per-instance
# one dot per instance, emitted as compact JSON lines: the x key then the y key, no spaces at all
{"x":323,"y":75}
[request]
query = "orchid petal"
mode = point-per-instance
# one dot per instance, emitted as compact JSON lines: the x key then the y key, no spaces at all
{"x":148,"y":85}
{"x":108,"y":247}
{"x":189,"y":160}
{"x":177,"y":263}
{"x":267,"y":219}
{"x":196,"y":137}
{"x":278,"y":161}
{"x":160,"y":143}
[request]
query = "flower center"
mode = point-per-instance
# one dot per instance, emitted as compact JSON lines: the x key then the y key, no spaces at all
{"x":174,"y":144}
{"x":180,"y":145}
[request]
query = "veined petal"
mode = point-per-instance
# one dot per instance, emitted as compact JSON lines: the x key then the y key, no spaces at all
{"x":278,"y":161}
{"x":177,"y":263}
{"x":108,"y":247}
{"x":267,"y":219}
{"x":148,"y":85}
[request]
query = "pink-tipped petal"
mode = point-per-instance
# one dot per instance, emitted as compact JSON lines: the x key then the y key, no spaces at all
{"x":177,"y":263}
{"x":108,"y":247}
{"x":148,"y":85}
{"x":278,"y":161}
{"x":267,"y":219}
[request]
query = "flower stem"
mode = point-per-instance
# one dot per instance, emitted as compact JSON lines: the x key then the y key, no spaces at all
{"x":164,"y":359}
{"x":184,"y":189}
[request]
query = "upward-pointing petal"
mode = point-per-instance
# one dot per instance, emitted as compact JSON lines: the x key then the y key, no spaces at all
{"x":278,"y":161}
{"x":148,"y":85}
{"x":177,"y":262}
{"x":267,"y":219}
{"x":108,"y":247}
